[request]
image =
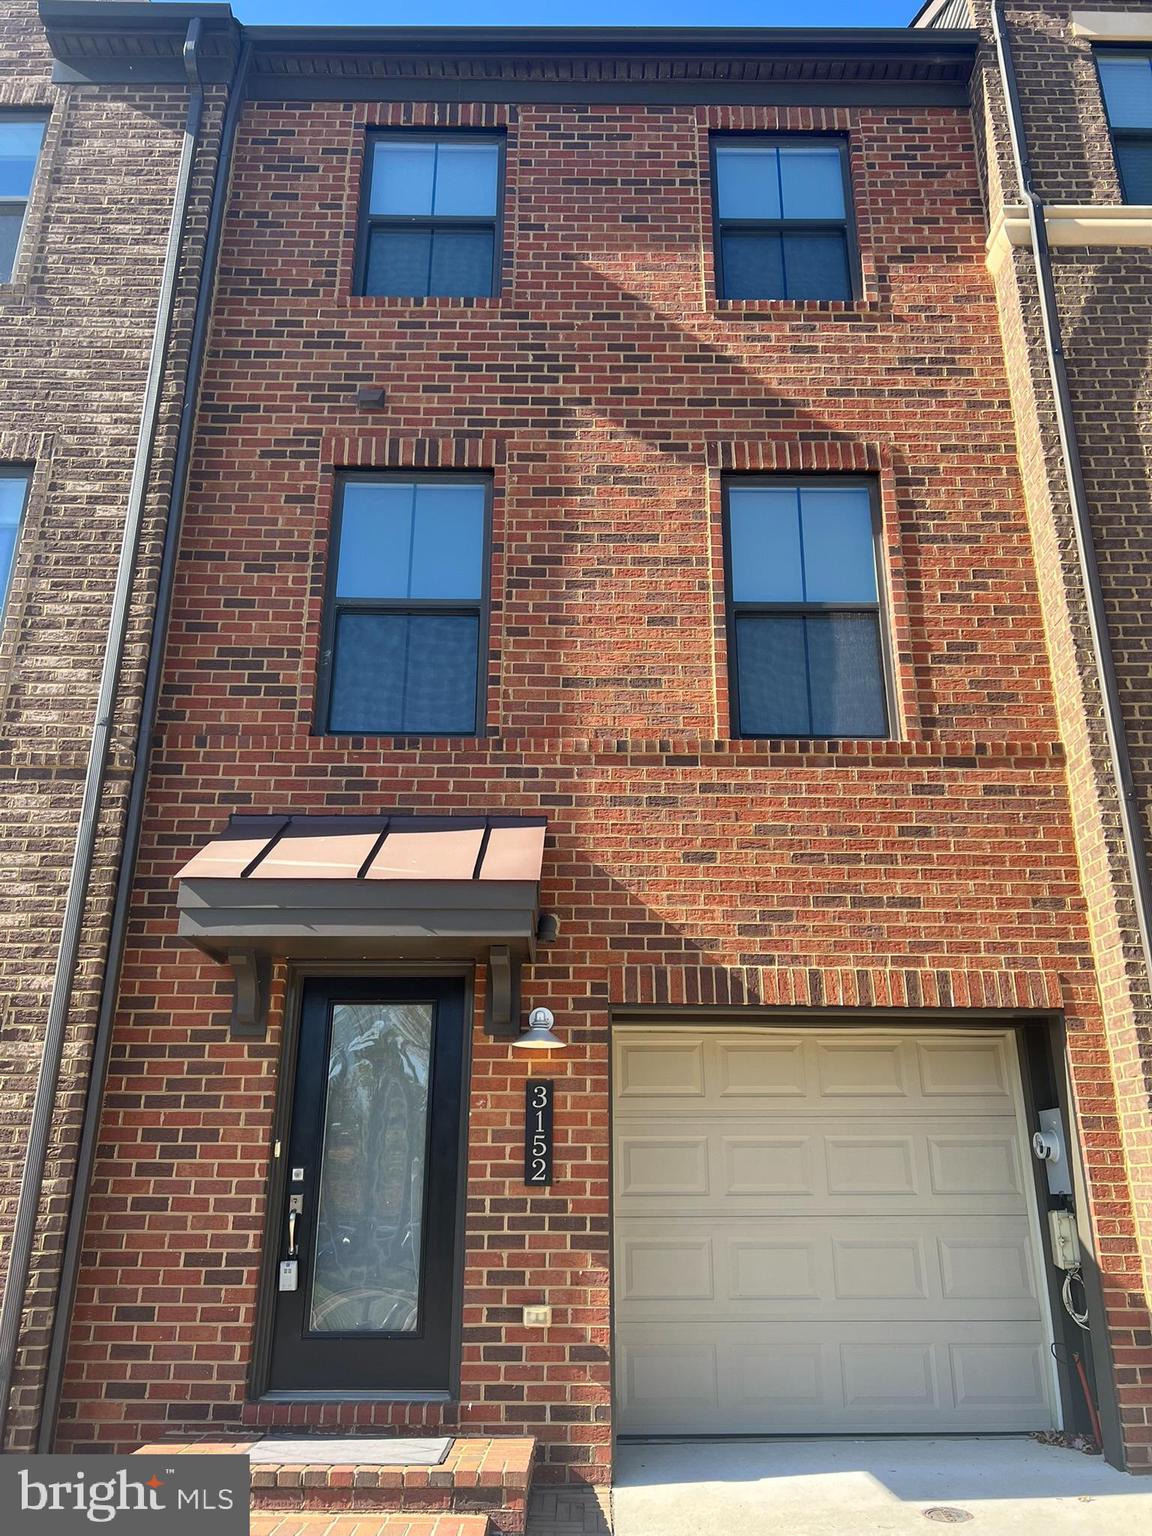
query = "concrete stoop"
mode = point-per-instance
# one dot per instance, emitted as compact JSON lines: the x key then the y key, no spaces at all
{"x":481,"y":1486}
{"x":320,"y":1523}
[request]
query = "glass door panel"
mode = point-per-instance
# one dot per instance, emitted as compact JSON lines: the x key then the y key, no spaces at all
{"x":370,"y":1212}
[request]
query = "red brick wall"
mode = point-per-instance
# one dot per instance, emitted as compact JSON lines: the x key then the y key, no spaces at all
{"x":606,"y":389}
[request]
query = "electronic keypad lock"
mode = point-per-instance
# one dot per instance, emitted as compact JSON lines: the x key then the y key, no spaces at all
{"x":290,"y":1267}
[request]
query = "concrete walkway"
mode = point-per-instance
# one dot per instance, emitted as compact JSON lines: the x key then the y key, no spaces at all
{"x":882,"y":1487}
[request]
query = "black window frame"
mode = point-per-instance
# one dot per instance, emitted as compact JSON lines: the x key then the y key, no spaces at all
{"x":735,"y":610}
{"x":370,"y":221}
{"x":15,"y":472}
{"x":334,"y":606}
{"x":9,"y":115}
{"x":1122,"y":135}
{"x":847,"y":224}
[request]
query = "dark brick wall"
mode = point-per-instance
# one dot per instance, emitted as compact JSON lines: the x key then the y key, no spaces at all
{"x":77,"y":325}
{"x":1105,"y":299}
{"x":1060,"y":95}
{"x":607,"y":391}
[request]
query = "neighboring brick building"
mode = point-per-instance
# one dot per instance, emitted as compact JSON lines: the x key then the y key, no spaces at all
{"x":1100,"y":227}
{"x":81,"y":266}
{"x":612,"y":431}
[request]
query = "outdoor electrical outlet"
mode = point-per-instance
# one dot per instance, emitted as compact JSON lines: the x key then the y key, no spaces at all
{"x":537,"y":1317}
{"x":1065,"y":1242}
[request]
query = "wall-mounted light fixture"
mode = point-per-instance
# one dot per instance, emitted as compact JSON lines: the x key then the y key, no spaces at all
{"x":538,"y":1036}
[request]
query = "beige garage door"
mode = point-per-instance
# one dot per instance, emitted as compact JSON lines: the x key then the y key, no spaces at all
{"x":824,"y":1233}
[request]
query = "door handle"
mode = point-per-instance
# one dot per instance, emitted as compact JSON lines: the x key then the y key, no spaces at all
{"x":292,"y":1234}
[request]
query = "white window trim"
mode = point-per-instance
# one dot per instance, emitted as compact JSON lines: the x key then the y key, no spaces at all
{"x":1113,"y":26}
{"x":1071,"y":224}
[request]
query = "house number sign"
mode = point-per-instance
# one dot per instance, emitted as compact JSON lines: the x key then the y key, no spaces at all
{"x":538,"y":1098}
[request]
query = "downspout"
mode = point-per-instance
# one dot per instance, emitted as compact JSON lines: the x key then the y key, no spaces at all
{"x":102,"y":1042}
{"x":1131,"y":820}
{"x":55,"y":1030}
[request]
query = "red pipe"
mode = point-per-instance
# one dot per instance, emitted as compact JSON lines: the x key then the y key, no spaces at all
{"x":1095,"y":1417}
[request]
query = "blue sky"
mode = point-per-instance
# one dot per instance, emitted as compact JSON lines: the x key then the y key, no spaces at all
{"x":574,"y":13}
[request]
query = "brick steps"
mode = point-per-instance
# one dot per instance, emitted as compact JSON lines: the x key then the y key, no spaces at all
{"x":323,"y":1523}
{"x":485,"y":1478}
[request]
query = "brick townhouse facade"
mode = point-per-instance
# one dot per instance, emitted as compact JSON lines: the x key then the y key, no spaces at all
{"x":625,"y":571}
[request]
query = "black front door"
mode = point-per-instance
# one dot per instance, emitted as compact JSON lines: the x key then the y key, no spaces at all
{"x":367,"y":1233}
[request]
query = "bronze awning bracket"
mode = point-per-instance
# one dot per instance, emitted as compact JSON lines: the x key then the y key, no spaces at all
{"x":251,"y":979}
{"x":502,"y":1010}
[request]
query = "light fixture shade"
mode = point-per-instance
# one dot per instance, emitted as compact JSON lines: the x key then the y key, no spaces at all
{"x":538,"y":1036}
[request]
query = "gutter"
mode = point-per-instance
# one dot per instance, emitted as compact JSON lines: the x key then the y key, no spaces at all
{"x":134,"y":817}
{"x":1130,"y":818}
{"x":792,"y":41}
{"x":72,"y":21}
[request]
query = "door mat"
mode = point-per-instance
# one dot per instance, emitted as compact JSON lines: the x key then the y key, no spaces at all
{"x":352,"y":1451}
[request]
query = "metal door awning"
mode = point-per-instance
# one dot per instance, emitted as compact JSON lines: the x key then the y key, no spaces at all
{"x":394,"y":887}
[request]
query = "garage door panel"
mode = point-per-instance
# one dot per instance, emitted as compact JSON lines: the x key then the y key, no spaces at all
{"x":973,"y":1164}
{"x":851,"y":1068}
{"x":773,"y":1069}
{"x":986,"y":1267}
{"x":775,"y":1377}
{"x":656,"y":1376}
{"x":777,"y":1163}
{"x":675,"y":1268}
{"x":675,"y":1070}
{"x":876,"y":1269}
{"x":893,"y":1374}
{"x":764,"y":1165}
{"x":821,"y":1075}
{"x":997,"y":1376}
{"x":770,"y":1269}
{"x":871,"y":1165}
{"x":787,"y":1378}
{"x":950,"y":1069}
{"x":659,"y":1169}
{"x":925,"y":1268}
{"x":824,"y":1232}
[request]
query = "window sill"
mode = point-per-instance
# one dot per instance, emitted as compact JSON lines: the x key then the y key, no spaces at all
{"x":786,"y":308}
{"x":318,"y":1395}
{"x":818,"y":743}
{"x":392,"y":301}
{"x":394,"y":741}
